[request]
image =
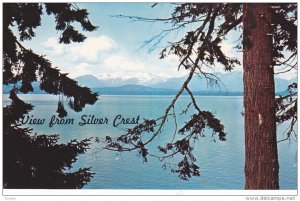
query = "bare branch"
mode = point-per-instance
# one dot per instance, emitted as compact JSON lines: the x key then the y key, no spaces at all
{"x":175,"y":121}
{"x":172,"y":104}
{"x":193,"y":99}
{"x":143,"y":19}
{"x":290,"y":130}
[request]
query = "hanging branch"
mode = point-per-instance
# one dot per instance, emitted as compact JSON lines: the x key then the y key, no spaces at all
{"x":143,"y":134}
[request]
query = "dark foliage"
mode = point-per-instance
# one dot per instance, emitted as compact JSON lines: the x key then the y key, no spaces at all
{"x":201,"y":121}
{"x":39,"y":161}
{"x":142,"y":134}
{"x":284,"y":19}
{"x":205,"y":40}
{"x":286,"y":110}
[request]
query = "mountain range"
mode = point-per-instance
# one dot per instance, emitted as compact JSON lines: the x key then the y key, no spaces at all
{"x":230,"y":84}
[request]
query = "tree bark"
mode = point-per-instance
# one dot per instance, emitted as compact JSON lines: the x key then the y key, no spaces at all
{"x":261,"y":163}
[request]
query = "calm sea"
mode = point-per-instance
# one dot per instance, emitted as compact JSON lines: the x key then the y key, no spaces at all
{"x":221,"y":163}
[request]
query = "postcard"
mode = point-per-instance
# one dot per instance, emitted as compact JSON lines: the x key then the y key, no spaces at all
{"x":142,"y":98}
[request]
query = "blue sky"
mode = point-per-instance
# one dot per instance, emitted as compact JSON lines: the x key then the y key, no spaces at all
{"x":115,"y":48}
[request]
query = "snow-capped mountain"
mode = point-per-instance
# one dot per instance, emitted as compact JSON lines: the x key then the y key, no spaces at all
{"x":150,"y":84}
{"x":230,"y":82}
{"x":115,"y":80}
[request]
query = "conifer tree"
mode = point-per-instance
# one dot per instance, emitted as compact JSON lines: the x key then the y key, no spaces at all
{"x":39,"y":161}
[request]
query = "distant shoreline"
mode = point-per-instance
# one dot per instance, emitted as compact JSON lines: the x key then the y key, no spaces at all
{"x":225,"y":94}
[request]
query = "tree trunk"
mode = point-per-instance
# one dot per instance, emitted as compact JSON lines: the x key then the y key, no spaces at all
{"x":261,"y":165}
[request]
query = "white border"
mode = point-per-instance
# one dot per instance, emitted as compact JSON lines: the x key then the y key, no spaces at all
{"x":96,"y":192}
{"x":29,"y":194}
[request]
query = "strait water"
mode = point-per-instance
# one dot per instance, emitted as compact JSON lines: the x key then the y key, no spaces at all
{"x":221,"y":163}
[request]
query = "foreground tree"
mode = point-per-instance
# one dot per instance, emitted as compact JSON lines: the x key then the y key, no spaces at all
{"x":261,"y":162}
{"x":38,"y":161}
{"x":199,"y":50}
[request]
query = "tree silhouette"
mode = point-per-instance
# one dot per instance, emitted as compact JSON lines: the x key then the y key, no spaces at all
{"x":38,"y":161}
{"x":199,"y":50}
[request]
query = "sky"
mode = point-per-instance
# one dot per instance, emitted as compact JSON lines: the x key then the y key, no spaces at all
{"x":116,"y":49}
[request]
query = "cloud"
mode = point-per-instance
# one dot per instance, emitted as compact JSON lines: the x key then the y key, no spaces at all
{"x":87,"y":51}
{"x":172,"y":60}
{"x":80,"y":69}
{"x":101,"y":54}
{"x":121,"y":62}
{"x":227,"y":49}
{"x":53,"y":47}
{"x":91,"y":47}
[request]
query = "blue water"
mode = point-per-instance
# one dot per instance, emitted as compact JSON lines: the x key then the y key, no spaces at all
{"x":221,"y":163}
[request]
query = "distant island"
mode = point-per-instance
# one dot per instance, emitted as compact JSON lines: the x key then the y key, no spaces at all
{"x":231,"y":85}
{"x":136,"y":90}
